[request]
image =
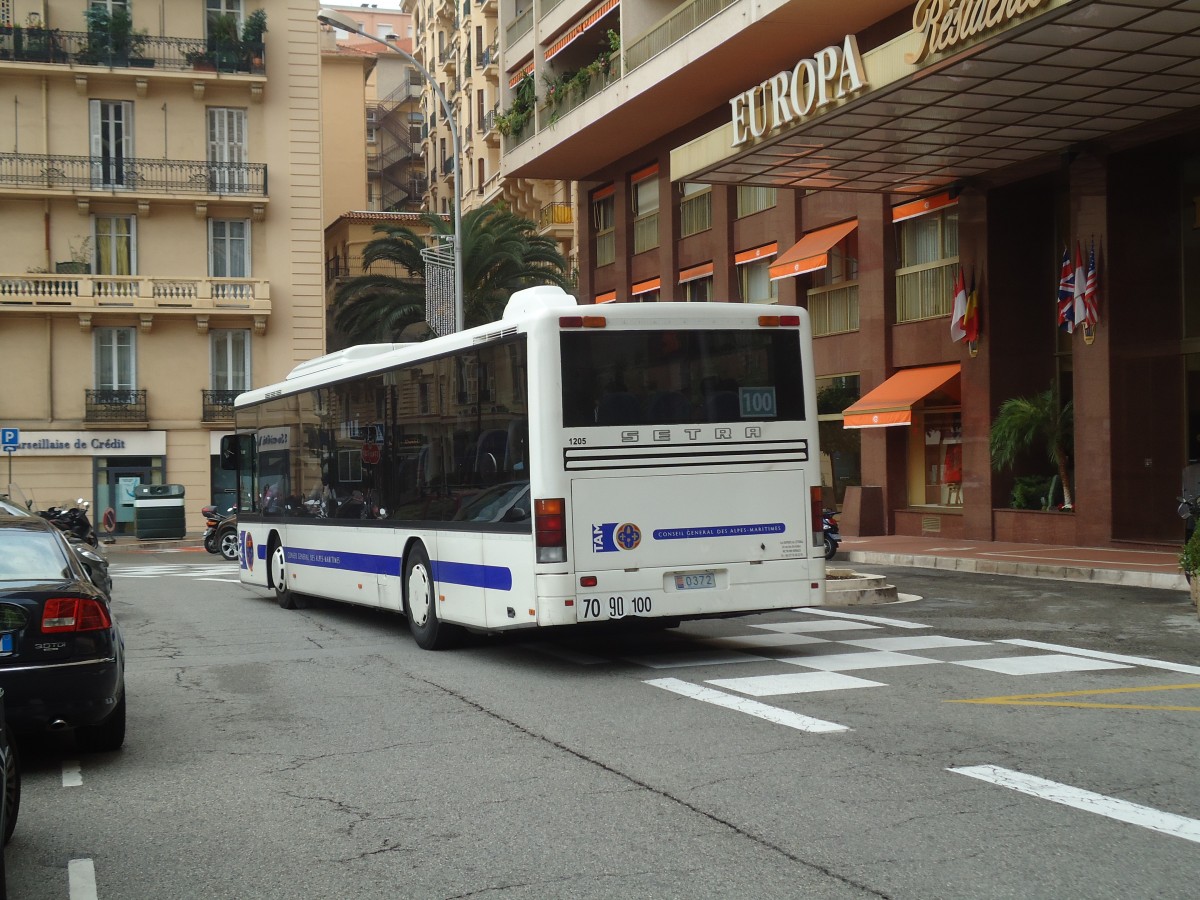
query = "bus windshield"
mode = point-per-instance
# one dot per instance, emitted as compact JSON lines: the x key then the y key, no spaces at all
{"x":680,"y":376}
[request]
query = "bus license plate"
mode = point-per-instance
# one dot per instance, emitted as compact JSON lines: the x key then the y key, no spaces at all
{"x":696,"y":581}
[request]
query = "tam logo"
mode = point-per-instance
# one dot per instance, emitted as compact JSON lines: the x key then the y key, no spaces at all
{"x":609,"y":537}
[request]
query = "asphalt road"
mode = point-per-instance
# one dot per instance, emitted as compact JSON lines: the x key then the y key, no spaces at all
{"x":319,"y":753}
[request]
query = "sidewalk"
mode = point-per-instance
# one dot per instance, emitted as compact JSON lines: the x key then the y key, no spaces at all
{"x":1138,"y":568}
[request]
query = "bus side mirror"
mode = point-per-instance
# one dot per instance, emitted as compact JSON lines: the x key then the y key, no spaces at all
{"x":236,"y":452}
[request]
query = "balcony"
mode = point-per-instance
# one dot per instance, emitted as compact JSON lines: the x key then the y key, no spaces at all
{"x":38,"y":173}
{"x":518,"y":27}
{"x":217,"y":406}
{"x":103,"y":407}
{"x":555,"y":220}
{"x":86,"y":296}
{"x":448,"y":58}
{"x":51,"y":46}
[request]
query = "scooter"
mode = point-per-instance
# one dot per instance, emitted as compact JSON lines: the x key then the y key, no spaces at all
{"x":213,"y":518}
{"x":73,"y":520}
{"x":833,"y":536}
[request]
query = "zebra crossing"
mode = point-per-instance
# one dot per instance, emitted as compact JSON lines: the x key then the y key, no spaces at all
{"x":220,"y":571}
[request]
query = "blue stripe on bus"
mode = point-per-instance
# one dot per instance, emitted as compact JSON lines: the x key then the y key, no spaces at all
{"x":496,"y":578}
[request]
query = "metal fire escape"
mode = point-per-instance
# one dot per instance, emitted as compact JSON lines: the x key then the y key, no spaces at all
{"x":401,"y":166}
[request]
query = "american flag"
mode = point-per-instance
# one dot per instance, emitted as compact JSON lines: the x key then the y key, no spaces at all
{"x":1091,"y":291}
{"x":1066,"y":294}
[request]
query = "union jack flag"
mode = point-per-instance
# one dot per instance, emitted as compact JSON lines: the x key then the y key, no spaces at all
{"x":1066,"y":294}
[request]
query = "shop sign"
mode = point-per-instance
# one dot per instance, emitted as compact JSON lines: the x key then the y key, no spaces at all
{"x":943,"y":24}
{"x":93,"y":443}
{"x":797,"y":94}
{"x":274,"y":438}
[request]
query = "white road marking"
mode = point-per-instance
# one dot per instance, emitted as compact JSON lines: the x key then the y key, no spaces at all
{"x":848,"y":662}
{"x":750,"y":707}
{"x":809,"y":627}
{"x":794,"y":683}
{"x":223,"y":580}
{"x":81,"y":875}
{"x":878,"y":620}
{"x":761,"y":641}
{"x":72,"y":776}
{"x":1088,"y":801}
{"x":1038,"y":665}
{"x":1111,"y":657}
{"x":925,"y":642}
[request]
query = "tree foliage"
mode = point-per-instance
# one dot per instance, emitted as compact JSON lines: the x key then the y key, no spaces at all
{"x":1025,"y":421}
{"x":501,"y":253}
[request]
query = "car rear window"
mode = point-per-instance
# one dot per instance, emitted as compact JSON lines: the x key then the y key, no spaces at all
{"x":30,"y":555}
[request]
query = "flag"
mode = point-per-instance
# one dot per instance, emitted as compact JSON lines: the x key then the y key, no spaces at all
{"x":1091,"y":291}
{"x":971,"y":316}
{"x":960,"y":308}
{"x":1066,"y":294}
{"x":1079,"y":277}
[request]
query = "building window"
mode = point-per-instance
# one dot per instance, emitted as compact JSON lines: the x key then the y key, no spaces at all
{"x":230,"y":359}
{"x":841,"y":448}
{"x":756,"y":284}
{"x":698,"y":290}
{"x":227,"y":149}
{"x":111,"y":125}
{"x":115,"y":239}
{"x":695,"y":208}
{"x":116,"y":359}
{"x":928,"y":251}
{"x":214,"y":8}
{"x":754,"y":199}
{"x":833,"y":298}
{"x":645,"y":211}
{"x":229,"y":248}
{"x":604,"y":221}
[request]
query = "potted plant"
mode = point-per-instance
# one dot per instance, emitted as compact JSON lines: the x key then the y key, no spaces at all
{"x":112,"y":39}
{"x":223,"y":41}
{"x":253,"y":30}
{"x":42,"y":44}
{"x":81,"y":259}
{"x":1024,"y":421}
{"x":200,"y":60}
{"x":1189,"y":561}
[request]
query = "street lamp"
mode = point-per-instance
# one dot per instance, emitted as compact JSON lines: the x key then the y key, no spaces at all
{"x":340,"y":20}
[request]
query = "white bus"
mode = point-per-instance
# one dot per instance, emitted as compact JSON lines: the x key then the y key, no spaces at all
{"x":567,"y":464}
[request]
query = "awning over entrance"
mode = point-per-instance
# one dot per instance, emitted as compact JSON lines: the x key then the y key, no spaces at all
{"x":811,"y":252}
{"x":891,"y":403}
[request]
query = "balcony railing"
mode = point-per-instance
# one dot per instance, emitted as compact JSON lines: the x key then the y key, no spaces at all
{"x":82,"y":48}
{"x":834,"y":309}
{"x":141,"y":293}
{"x":518,"y":27}
{"x":555,"y":214}
{"x":680,"y":23}
{"x":926,"y":291}
{"x":114,"y":406}
{"x":217,"y":406}
{"x":155,"y":176}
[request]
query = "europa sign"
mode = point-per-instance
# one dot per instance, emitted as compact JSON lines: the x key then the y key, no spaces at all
{"x":793,"y":95}
{"x":943,"y":24}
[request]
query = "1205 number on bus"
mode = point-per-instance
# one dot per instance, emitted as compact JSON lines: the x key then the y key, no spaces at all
{"x":613,"y":607}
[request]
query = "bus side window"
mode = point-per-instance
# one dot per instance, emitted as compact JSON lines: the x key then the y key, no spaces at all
{"x":516,"y":451}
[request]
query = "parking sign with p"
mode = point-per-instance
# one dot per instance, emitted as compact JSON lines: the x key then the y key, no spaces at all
{"x":10,"y":439}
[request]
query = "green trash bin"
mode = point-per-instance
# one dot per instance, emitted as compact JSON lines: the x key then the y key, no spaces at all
{"x":158,"y":511}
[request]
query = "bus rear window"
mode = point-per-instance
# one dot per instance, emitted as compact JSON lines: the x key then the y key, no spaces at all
{"x":680,"y":377}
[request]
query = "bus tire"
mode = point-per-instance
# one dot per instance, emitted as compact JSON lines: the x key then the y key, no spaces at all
{"x":277,"y":574}
{"x":420,"y":600}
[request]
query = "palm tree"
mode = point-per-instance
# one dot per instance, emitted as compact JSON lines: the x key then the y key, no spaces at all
{"x":1023,"y":421}
{"x":501,"y":252}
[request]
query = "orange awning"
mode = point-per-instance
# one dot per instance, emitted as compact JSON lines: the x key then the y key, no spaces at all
{"x":811,"y":252}
{"x":891,"y":403}
{"x":645,"y":287}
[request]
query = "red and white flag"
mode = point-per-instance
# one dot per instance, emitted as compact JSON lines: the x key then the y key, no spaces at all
{"x":1091,"y":291}
{"x":957,"y":331}
{"x":1080,"y":277}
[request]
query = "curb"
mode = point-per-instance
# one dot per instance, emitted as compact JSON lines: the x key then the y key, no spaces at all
{"x":1161,"y":580}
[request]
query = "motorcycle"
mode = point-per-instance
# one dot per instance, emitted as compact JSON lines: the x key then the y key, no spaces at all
{"x":213,"y":518}
{"x":227,"y":536}
{"x":833,"y":536}
{"x":73,"y":520}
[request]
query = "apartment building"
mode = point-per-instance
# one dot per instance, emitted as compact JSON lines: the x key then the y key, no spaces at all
{"x":459,"y":43}
{"x":160,"y":209}
{"x":856,"y":159}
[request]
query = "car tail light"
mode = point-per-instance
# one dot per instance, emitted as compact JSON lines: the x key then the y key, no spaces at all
{"x":74,"y":614}
{"x":818,"y":509}
{"x":550,"y":530}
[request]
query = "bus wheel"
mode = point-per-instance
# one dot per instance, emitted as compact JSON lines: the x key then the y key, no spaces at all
{"x":278,"y":574}
{"x":420,"y":597}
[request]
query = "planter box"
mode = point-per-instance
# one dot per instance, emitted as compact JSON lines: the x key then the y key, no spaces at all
{"x":1032,"y":526}
{"x":138,"y":62}
{"x":71,"y":268}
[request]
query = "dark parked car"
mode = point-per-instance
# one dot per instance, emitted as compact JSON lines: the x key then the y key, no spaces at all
{"x":62,"y":657}
{"x":93,"y":558}
{"x":10,"y":792}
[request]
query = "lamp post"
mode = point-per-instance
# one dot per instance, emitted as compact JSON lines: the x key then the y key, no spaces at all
{"x":340,"y":20}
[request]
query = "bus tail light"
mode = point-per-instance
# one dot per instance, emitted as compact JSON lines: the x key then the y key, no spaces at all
{"x":818,"y":525}
{"x":550,"y":530}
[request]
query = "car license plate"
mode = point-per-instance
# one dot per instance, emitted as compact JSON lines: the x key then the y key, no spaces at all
{"x":696,"y":581}
{"x":6,"y":643}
